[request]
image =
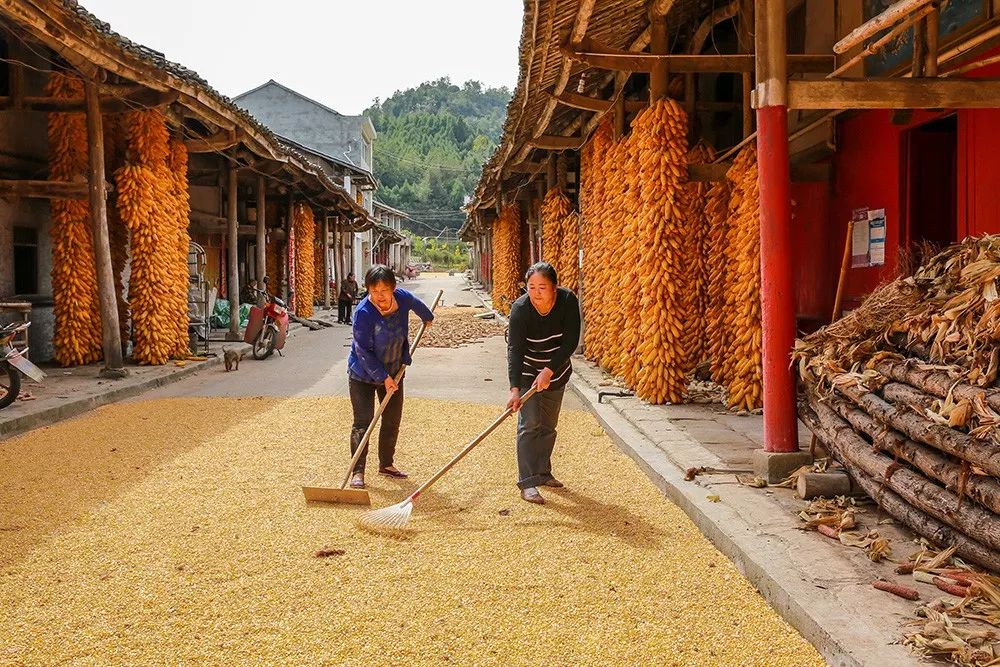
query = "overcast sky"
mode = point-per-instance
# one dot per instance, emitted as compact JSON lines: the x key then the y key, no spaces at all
{"x":343,"y":53}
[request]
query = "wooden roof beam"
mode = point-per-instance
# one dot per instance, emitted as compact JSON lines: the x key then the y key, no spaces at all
{"x":623,"y":61}
{"x":554,"y":142}
{"x":801,"y":173}
{"x":220,"y":141}
{"x":109,"y":103}
{"x":45,"y":189}
{"x":894,"y":94}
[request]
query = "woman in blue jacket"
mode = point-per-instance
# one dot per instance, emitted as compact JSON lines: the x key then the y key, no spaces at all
{"x":381,"y":347}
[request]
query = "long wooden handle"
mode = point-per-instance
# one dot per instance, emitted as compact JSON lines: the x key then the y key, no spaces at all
{"x":388,"y":397}
{"x":469,"y":447}
{"x":845,"y":264}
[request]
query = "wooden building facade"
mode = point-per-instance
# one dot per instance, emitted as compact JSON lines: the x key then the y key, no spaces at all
{"x":86,"y":116}
{"x":881,"y":110}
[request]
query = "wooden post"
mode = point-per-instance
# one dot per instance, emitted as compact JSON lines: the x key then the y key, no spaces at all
{"x":114,"y":363}
{"x":659,"y":44}
{"x":234,"y":256}
{"x":777,"y":274}
{"x":619,"y":117}
{"x":919,"y":48}
{"x":931,"y":35}
{"x":552,"y":173}
{"x":261,"y":258}
{"x":745,"y":40}
{"x":326,"y":260}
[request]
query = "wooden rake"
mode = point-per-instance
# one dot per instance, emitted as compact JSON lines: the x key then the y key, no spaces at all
{"x":395,"y":517}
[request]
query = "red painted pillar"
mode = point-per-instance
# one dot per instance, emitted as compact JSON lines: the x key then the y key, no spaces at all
{"x":777,"y":277}
{"x":777,"y":282}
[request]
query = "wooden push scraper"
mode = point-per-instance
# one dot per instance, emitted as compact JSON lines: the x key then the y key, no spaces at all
{"x":343,"y":494}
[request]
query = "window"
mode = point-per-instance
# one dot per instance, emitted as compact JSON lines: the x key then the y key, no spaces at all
{"x":25,"y":260}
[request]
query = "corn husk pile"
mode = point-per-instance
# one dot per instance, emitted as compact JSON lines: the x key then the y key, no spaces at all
{"x":152,"y":198}
{"x":507,"y":269}
{"x":77,"y":338}
{"x":456,"y":327}
{"x":961,"y":626}
{"x":305,"y":258}
{"x":902,"y":391}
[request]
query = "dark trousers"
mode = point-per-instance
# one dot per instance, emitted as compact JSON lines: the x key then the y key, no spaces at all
{"x":344,"y":310}
{"x":536,"y":436}
{"x":364,"y":405}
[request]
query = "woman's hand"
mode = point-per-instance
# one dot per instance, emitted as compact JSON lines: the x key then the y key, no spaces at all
{"x":428,"y":324}
{"x":544,"y":379}
{"x":390,"y":385}
{"x":514,"y":402}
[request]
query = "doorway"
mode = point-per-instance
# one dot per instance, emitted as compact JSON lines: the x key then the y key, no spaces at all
{"x":932,"y":206}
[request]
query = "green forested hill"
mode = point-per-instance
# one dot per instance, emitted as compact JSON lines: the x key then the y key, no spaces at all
{"x":432,"y":142}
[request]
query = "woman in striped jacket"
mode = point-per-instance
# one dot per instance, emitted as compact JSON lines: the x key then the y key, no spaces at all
{"x":544,"y":333}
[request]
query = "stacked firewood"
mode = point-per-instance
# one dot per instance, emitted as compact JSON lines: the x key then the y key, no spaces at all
{"x":903,"y":392}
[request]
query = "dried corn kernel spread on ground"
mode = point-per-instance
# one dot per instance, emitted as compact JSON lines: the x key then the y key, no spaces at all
{"x":209,"y":555}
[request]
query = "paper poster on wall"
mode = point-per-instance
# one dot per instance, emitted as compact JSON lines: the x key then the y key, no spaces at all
{"x":876,"y":237}
{"x":859,"y":238}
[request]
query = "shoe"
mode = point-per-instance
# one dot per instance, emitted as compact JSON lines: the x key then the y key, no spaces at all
{"x":358,"y":480}
{"x":554,"y":483}
{"x":392,"y":471}
{"x":532,"y":495}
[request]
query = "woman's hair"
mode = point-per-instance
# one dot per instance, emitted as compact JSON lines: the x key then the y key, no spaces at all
{"x":545,"y":269}
{"x":380,"y":273}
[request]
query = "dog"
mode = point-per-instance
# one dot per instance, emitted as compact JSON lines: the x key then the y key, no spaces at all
{"x":232,"y":359}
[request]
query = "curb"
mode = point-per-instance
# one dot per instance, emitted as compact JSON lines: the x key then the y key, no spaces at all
{"x":74,"y":408}
{"x":758,"y":554}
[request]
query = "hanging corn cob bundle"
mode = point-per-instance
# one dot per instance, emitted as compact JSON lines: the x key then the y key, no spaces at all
{"x":506,"y":257}
{"x":659,"y":135}
{"x":696,"y":258}
{"x":742,"y":370}
{"x":78,"y":338}
{"x":596,"y":273}
{"x":613,"y":317}
{"x":556,"y":211}
{"x":305,"y":274}
{"x":551,"y":225}
{"x":318,"y":268}
{"x":629,"y":292}
{"x":569,"y":250}
{"x":177,"y":168}
{"x":148,"y":204}
{"x":115,"y":144}
{"x":717,"y":214}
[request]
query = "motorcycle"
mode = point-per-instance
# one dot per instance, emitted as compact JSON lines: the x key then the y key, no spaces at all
{"x":14,"y":363}
{"x":268,"y":326}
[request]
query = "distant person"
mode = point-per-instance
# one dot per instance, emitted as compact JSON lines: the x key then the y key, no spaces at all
{"x":345,"y":300}
{"x":543,"y":334}
{"x":381,"y":347}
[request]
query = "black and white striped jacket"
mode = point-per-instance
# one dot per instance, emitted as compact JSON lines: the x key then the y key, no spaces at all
{"x":536,"y":342}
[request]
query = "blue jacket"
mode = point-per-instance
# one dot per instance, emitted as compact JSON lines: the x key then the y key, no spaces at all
{"x":381,"y":344}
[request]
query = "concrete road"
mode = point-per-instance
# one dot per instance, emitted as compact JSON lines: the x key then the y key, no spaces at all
{"x":315,"y":364}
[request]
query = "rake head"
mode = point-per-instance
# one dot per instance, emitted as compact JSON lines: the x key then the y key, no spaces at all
{"x":388,"y":519}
